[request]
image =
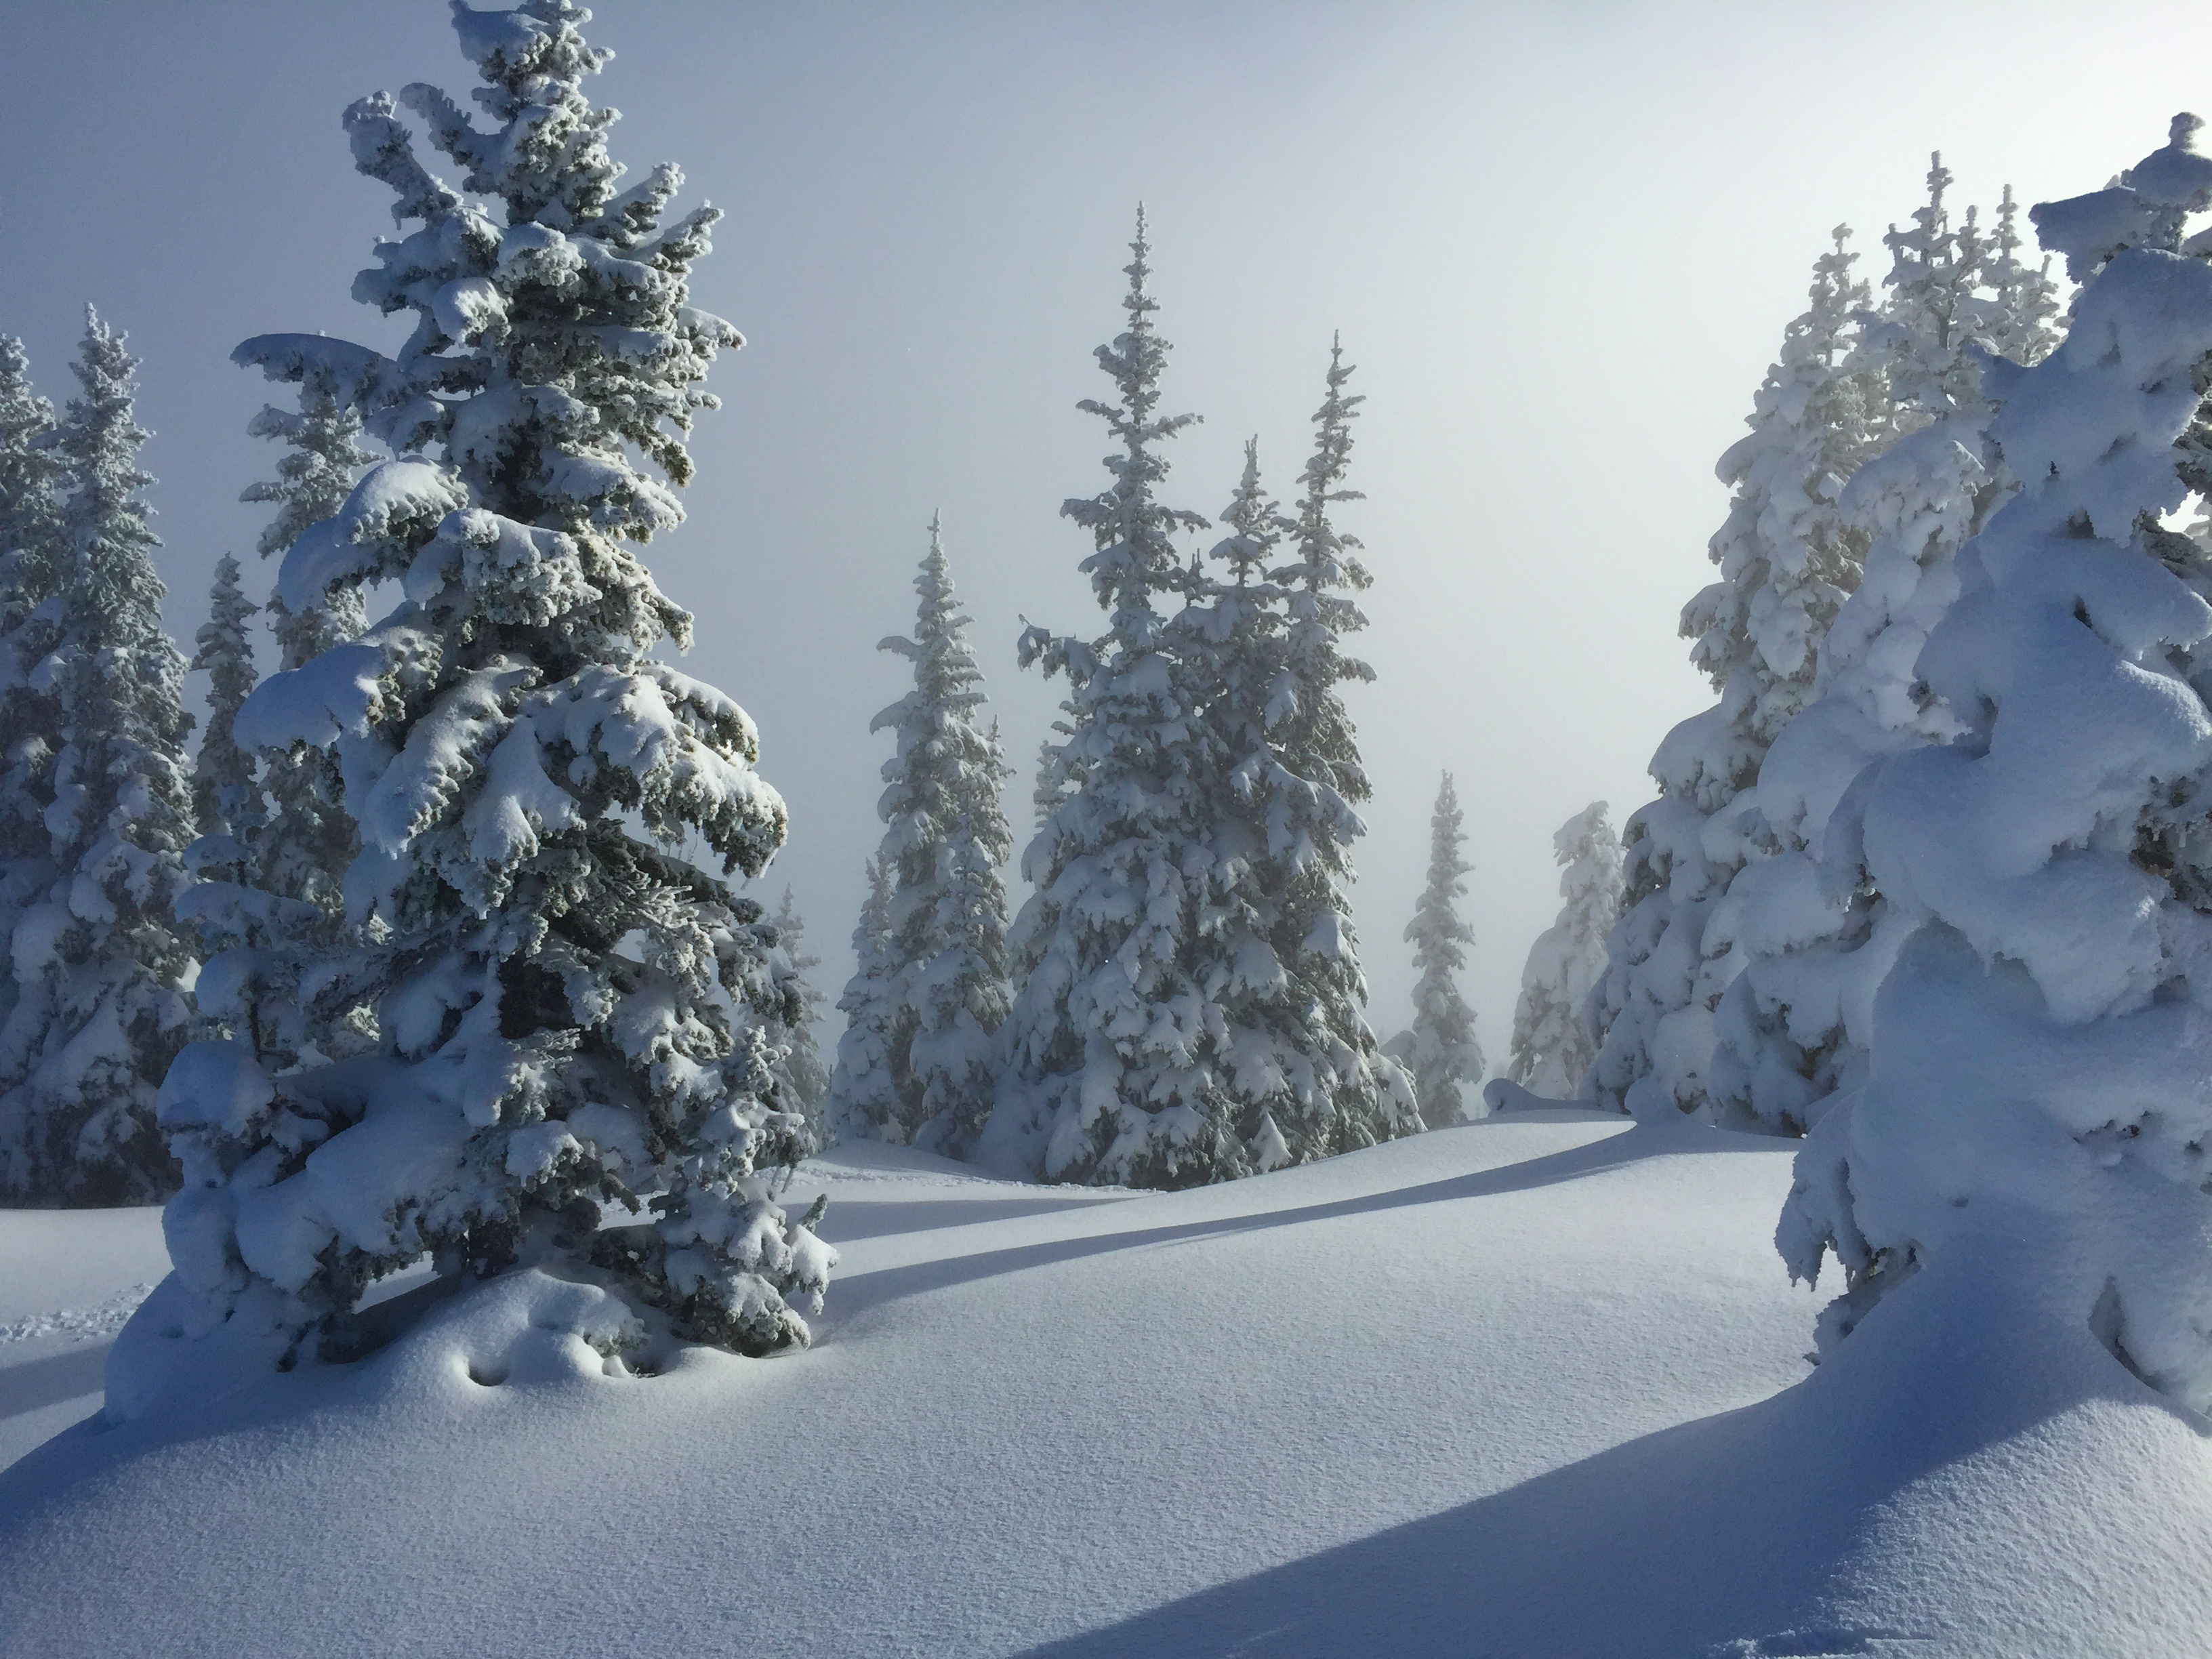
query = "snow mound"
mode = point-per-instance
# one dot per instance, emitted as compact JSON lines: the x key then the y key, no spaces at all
{"x":1531,"y":1387}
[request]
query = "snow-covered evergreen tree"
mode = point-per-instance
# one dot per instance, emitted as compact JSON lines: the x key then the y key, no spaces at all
{"x":1440,"y":1048}
{"x":550,"y":985}
{"x":1787,"y":556}
{"x":1111,"y":1071}
{"x":1049,"y":789}
{"x":2031,"y":1127}
{"x":31,"y":576}
{"x":945,"y":840}
{"x":863,"y":1101}
{"x":2024,"y":310}
{"x":1274,"y":953}
{"x":802,"y":1082}
{"x":226,"y":792}
{"x":309,"y":839}
{"x":1552,"y":1051}
{"x":101,"y":968}
{"x":1792,"y":1025}
{"x":1312,"y":824}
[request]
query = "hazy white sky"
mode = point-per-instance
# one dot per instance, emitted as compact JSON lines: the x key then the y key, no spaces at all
{"x":1561,"y":242}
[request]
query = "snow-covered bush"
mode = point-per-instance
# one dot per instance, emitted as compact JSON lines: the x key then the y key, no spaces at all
{"x":100,"y":969}
{"x":1792,"y":1024}
{"x":1440,"y":1048}
{"x":2034,"y":1103}
{"x":537,"y":986}
{"x":934,"y":990}
{"x":1552,"y":1050}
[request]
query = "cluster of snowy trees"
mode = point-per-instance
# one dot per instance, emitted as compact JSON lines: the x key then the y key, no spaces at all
{"x":1180,"y":999}
{"x":432,"y":948}
{"x":95,"y":801}
{"x":1931,"y":884}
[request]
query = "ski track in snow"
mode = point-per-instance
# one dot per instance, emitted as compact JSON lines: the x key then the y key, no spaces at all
{"x":79,"y":1324}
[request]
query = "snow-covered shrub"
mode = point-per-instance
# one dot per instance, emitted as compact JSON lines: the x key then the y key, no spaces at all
{"x":100,"y":969}
{"x":1440,"y":1048}
{"x":1552,"y":1050}
{"x":2035,"y":1103}
{"x":934,"y":990}
{"x":528,"y":1014}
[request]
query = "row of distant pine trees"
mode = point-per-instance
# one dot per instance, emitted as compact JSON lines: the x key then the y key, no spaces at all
{"x":1181,"y":998}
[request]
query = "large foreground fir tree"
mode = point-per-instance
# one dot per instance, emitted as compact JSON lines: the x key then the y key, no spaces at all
{"x":934,"y":989}
{"x":101,"y":968}
{"x":2030,"y":1131}
{"x":548,"y":982}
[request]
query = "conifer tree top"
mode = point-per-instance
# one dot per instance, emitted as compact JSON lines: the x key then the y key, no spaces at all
{"x":1135,"y":555}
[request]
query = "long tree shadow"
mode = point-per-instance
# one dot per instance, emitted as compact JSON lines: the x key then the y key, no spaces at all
{"x":862,"y":1292}
{"x":51,"y":1378}
{"x":852,"y":1219}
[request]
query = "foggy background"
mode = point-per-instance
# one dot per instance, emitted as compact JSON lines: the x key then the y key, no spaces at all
{"x":1561,"y":243}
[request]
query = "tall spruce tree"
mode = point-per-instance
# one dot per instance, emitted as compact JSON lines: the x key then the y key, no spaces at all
{"x":310,"y":839}
{"x":1440,"y":1047}
{"x":945,"y":839}
{"x":106,"y":1009}
{"x":549,"y":985}
{"x":863,"y":1104}
{"x":226,"y":798}
{"x":1551,"y":1052}
{"x":1112,"y":1067}
{"x":802,"y":1082}
{"x":1787,"y":557}
{"x":31,"y":575}
{"x":1311,"y":839}
{"x":1300,"y":1075}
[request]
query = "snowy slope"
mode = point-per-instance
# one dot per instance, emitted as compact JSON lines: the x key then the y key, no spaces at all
{"x":68,"y":1280}
{"x":1521,"y":1389}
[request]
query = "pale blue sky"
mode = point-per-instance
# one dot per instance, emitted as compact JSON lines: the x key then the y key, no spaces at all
{"x":1561,"y":242}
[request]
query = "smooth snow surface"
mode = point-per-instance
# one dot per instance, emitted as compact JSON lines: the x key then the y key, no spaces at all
{"x":1521,"y":1388}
